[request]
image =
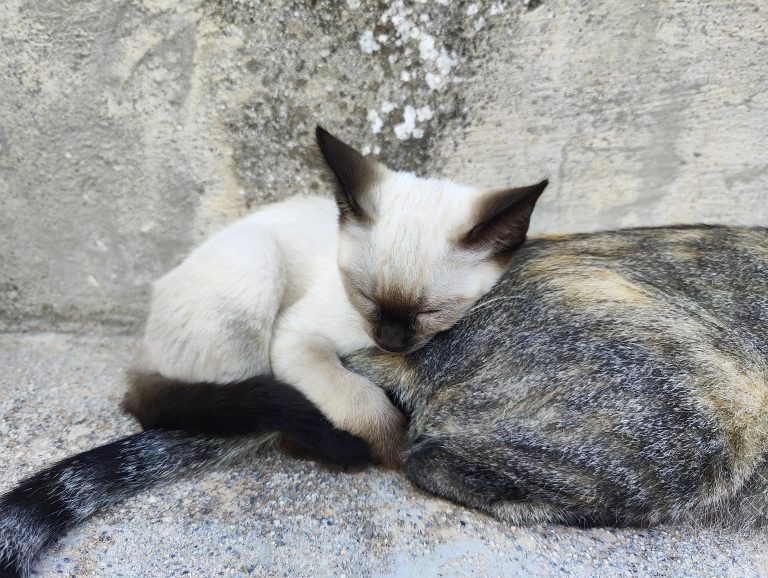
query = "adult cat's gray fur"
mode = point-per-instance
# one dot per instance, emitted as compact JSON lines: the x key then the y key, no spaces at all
{"x":610,"y":378}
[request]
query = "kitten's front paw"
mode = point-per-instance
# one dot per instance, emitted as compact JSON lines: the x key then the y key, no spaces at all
{"x":387,"y":439}
{"x":369,"y":414}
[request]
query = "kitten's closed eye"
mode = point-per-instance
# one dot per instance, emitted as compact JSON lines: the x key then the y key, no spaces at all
{"x":366,"y":297}
{"x":443,"y":307}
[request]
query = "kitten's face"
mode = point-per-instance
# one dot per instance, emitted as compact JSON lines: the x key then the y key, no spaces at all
{"x":405,"y":269}
{"x":416,"y":253}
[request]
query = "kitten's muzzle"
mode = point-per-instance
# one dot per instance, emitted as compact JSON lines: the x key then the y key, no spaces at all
{"x":392,"y":334}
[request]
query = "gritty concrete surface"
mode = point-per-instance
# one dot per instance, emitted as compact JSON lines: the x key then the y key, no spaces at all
{"x":131,"y":129}
{"x":274,"y":516}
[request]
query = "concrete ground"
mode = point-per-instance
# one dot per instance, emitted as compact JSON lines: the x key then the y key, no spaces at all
{"x":275,"y":516}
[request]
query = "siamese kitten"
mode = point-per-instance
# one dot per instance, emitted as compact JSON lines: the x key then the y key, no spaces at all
{"x":392,"y":261}
{"x":244,"y":337}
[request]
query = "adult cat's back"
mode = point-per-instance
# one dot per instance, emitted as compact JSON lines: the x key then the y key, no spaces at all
{"x":617,"y":377}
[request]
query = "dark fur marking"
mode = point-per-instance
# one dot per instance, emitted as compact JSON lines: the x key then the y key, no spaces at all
{"x":258,"y":404}
{"x":354,"y":175}
{"x":502,"y":220}
{"x":45,"y":506}
{"x":432,"y":467}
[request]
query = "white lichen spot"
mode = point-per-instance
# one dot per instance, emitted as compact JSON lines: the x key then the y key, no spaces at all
{"x":446,"y":62}
{"x":427,"y":49}
{"x":479,"y":24}
{"x":367,"y":43}
{"x":353,"y":4}
{"x":407,"y":129}
{"x":412,"y":35}
{"x":375,"y":120}
{"x":388,"y":106}
{"x":496,"y":9}
{"x":472,"y":9}
{"x":423,"y":113}
{"x":434,"y":81}
{"x":402,"y":25}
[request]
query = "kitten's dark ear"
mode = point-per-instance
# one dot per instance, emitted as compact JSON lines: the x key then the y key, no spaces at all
{"x":355,"y":175}
{"x":502,"y":219}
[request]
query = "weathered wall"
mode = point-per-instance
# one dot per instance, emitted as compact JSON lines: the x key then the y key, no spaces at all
{"x":131,"y":129}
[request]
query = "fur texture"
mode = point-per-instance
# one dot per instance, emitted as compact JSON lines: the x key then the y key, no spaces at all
{"x":45,"y":506}
{"x":615,"y":378}
{"x":292,"y":287}
{"x":260,"y":404}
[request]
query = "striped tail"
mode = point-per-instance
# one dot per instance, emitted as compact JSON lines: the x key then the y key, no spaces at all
{"x":195,"y":428}
{"x":45,"y":506}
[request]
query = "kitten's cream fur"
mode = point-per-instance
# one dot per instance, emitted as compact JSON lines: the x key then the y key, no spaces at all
{"x":292,"y":287}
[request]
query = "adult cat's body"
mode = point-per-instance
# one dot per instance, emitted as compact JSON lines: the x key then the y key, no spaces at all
{"x":286,"y":291}
{"x":611,"y":378}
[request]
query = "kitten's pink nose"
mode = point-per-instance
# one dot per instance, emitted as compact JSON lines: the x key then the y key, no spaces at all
{"x":392,"y":334}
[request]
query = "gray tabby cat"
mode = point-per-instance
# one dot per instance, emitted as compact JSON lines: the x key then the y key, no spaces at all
{"x":615,"y":378}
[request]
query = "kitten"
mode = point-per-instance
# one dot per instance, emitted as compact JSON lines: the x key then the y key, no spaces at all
{"x":393,"y":261}
{"x":244,"y":336}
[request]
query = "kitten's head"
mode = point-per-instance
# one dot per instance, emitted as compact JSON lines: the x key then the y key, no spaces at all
{"x":416,"y":253}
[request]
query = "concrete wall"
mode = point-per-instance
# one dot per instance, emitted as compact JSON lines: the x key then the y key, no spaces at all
{"x":129,"y":130}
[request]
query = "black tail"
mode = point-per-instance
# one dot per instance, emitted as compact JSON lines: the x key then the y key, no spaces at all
{"x":46,"y":505}
{"x":254,"y":405}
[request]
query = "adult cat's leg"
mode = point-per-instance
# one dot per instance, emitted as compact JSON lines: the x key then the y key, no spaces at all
{"x":472,"y":480}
